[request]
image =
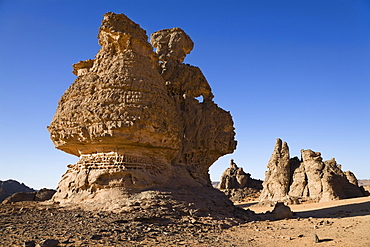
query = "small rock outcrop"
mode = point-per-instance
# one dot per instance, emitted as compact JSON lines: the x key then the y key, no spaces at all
{"x":238,"y":185}
{"x":293,"y":180}
{"x":134,"y":119}
{"x":10,"y":187}
{"x":281,"y":211}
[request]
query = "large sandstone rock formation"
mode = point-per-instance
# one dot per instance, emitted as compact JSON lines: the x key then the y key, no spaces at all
{"x":133,"y":119}
{"x":238,"y":185}
{"x":293,"y":180}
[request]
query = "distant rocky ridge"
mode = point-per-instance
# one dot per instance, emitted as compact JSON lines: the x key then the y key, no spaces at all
{"x":13,"y":191}
{"x":364,"y":182}
{"x":40,"y":196}
{"x":238,"y":185}
{"x":10,"y":187}
{"x":294,"y":180}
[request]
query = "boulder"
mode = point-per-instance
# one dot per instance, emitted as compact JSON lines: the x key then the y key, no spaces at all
{"x":281,"y":211}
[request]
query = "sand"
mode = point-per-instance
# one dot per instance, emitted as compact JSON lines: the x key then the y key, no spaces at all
{"x":336,"y":223}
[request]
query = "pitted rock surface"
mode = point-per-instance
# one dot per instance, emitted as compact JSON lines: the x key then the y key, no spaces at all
{"x":133,"y":117}
{"x":119,"y":100}
{"x":294,"y":180}
{"x":207,"y":130}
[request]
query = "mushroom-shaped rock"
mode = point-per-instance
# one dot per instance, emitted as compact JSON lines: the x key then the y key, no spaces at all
{"x":141,"y":136}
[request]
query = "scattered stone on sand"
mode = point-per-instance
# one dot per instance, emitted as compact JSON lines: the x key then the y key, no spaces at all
{"x":26,"y":221}
{"x":293,"y":180}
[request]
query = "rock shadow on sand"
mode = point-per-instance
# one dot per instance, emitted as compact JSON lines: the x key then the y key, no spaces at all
{"x":342,"y":211}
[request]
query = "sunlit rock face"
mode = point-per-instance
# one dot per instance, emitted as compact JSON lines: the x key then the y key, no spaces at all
{"x":293,"y":180}
{"x":133,"y":118}
{"x":119,"y":101}
{"x":207,"y":130}
{"x":277,"y":176}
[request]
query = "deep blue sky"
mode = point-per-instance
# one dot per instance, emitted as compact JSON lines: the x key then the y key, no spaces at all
{"x":296,"y":70}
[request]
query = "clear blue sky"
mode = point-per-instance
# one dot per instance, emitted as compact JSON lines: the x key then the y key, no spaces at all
{"x":296,"y":70}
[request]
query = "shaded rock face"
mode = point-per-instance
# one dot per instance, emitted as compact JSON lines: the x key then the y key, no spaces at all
{"x":133,"y":118}
{"x":293,"y":180}
{"x":10,"y":187}
{"x":41,"y":195}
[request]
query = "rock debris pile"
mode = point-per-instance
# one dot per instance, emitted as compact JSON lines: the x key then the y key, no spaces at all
{"x":294,"y":180}
{"x":36,"y":223}
{"x":134,"y":119}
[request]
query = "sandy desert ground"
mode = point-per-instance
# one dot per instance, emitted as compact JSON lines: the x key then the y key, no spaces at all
{"x":336,"y":223}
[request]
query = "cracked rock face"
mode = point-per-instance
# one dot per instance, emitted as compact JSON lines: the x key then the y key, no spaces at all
{"x":133,"y":117}
{"x":293,"y":180}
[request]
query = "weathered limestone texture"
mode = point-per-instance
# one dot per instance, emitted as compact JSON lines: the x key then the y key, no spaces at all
{"x":238,"y":185}
{"x":293,"y":180}
{"x":133,"y":119}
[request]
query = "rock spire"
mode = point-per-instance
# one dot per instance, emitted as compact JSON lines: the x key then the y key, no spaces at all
{"x":294,"y":180}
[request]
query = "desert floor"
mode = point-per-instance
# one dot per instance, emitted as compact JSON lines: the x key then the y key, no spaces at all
{"x":336,"y":223}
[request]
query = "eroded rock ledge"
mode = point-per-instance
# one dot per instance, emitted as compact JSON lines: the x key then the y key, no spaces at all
{"x":133,"y":117}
